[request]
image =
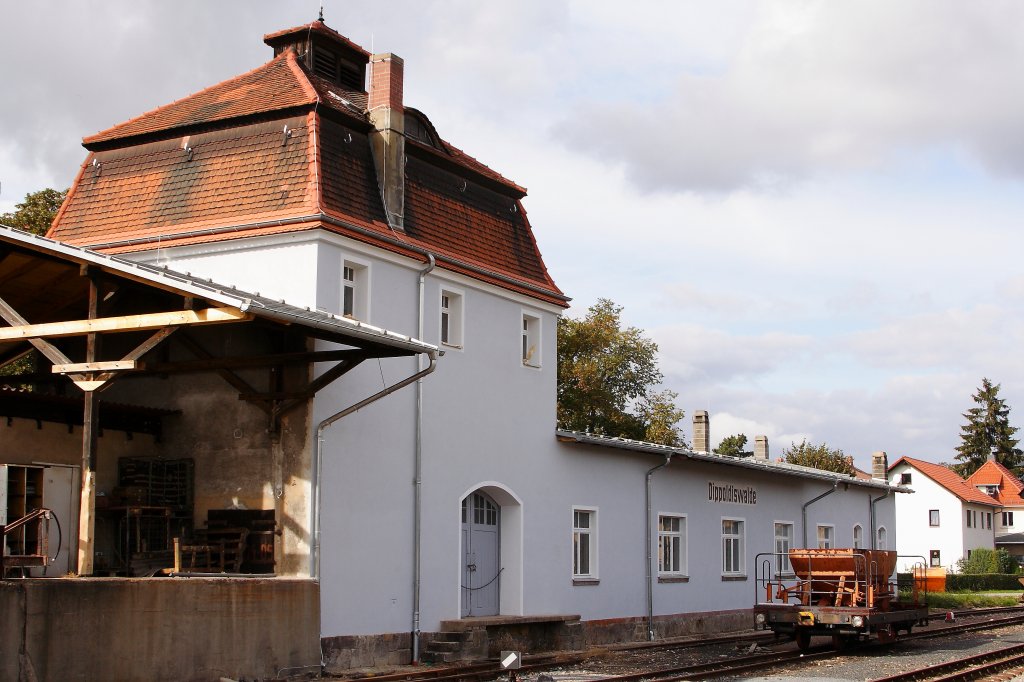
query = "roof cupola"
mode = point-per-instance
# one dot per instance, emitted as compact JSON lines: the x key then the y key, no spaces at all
{"x":324,"y":52}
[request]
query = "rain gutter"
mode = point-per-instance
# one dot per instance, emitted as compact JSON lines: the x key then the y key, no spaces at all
{"x":417,"y":551}
{"x":808,"y":503}
{"x":318,"y":455}
{"x":650,"y":542}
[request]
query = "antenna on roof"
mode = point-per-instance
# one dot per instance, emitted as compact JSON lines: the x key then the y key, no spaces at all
{"x":321,"y":17}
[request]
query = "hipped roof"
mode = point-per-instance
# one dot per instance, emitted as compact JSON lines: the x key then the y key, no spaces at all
{"x":949,"y":480}
{"x":280,"y":150}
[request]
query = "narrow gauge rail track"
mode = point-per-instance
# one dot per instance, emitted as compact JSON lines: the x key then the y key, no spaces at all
{"x":483,"y":672}
{"x":968,"y":668}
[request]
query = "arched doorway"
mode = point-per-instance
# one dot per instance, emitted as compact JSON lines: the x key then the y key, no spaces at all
{"x":481,"y":555}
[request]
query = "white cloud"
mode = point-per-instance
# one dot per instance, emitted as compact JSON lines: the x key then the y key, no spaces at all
{"x":825,"y":87}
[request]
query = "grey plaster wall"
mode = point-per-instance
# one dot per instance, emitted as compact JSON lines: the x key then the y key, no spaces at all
{"x":176,"y":630}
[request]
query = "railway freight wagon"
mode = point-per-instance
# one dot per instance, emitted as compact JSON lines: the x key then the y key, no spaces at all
{"x":846,"y":594}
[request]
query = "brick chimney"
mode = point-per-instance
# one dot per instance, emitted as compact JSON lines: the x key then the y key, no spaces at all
{"x":387,"y":74}
{"x":880,"y":466}
{"x":701,"y":431}
{"x":761,"y":448}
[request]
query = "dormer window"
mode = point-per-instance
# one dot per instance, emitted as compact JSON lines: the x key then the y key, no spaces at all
{"x":991,"y":490}
{"x":420,"y":130}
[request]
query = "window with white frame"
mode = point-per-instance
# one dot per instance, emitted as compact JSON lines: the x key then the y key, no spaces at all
{"x":732,"y":547}
{"x":882,"y":540}
{"x":584,"y":543}
{"x":355,"y":295}
{"x":1007,"y":519}
{"x":531,"y":340}
{"x":826,"y":535}
{"x":451,"y":318}
{"x":971,"y":518}
{"x":783,"y":543}
{"x":671,"y":545}
{"x":933,"y":517}
{"x":858,"y":536}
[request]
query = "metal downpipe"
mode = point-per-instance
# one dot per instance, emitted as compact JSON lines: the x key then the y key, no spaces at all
{"x":808,"y":503}
{"x":874,"y":518}
{"x":418,"y":480}
{"x":318,"y":455}
{"x":650,"y":542}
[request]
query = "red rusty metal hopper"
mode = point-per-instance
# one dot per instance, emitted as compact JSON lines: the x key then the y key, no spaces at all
{"x":873,"y":565}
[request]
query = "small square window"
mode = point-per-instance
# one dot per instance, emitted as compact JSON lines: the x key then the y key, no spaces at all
{"x":905,"y":478}
{"x":826,"y":535}
{"x":933,"y":517}
{"x":584,"y":543}
{"x":732,"y":547}
{"x":451,"y":318}
{"x":783,"y":543}
{"x":671,"y":545}
{"x":355,"y":290}
{"x":531,"y":340}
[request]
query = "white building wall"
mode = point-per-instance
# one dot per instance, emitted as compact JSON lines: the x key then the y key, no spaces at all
{"x":489,"y":423}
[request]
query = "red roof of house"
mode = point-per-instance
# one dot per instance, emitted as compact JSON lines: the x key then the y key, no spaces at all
{"x":219,"y":165}
{"x":1008,"y":492}
{"x":949,"y":480}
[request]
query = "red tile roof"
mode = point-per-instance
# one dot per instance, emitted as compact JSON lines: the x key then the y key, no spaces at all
{"x":217,"y":166}
{"x":949,"y":480}
{"x":1009,"y":488}
{"x":279,"y":84}
{"x":317,"y":27}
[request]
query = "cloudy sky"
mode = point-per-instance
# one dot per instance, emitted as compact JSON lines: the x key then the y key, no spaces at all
{"x":814,"y":208}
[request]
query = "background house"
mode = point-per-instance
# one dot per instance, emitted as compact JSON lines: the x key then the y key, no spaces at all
{"x":999,"y":483}
{"x":945,"y":518}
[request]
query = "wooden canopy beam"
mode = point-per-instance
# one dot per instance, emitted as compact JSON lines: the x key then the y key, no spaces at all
{"x":124,"y":323}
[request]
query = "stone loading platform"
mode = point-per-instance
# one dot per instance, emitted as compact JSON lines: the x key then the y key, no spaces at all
{"x":487,"y":636}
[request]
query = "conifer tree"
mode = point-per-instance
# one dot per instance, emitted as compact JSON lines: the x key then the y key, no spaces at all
{"x":988,"y":430}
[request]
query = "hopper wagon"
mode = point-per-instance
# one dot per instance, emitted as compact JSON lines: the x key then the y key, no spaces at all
{"x":847,"y":594}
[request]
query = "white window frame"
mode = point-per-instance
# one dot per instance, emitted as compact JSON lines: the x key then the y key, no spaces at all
{"x":858,"y":536}
{"x":738,"y":543}
{"x":1007,"y":518}
{"x":672,"y":537}
{"x":530,"y":340}
{"x":591,"y":533}
{"x":882,"y":538}
{"x":455,"y":312}
{"x":828,"y":541}
{"x":782,"y":565}
{"x":360,"y":287}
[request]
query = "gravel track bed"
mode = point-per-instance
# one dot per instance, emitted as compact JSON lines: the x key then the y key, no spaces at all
{"x":856,"y":665}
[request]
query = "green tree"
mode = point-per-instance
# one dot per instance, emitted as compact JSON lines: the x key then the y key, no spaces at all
{"x":988,"y":430}
{"x":34,"y":215}
{"x":733,"y":446}
{"x":607,"y":376}
{"x":36,"y":212}
{"x":818,"y":456}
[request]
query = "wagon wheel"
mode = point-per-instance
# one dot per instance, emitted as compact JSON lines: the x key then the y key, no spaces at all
{"x":803,"y":640}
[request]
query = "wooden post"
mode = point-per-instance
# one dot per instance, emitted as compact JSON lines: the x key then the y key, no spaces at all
{"x":90,"y":428}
